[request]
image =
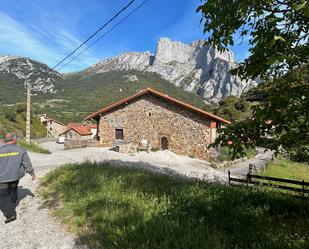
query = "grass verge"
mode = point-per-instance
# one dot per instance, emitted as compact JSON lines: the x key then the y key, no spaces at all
{"x":110,"y":207}
{"x":32,"y":147}
{"x":287,"y":169}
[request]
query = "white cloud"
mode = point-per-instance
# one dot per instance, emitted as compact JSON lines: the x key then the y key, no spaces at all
{"x":48,"y":47}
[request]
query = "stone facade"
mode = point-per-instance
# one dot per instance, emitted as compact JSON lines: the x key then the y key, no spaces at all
{"x":54,"y":128}
{"x":74,"y":144}
{"x":161,"y":124}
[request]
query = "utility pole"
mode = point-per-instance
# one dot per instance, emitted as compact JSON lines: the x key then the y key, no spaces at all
{"x":28,"y":117}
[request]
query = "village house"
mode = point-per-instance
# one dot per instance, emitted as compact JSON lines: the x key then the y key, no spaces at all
{"x":152,"y":120}
{"x":79,"y":135}
{"x":42,"y":117}
{"x":77,"y":131}
{"x":53,"y":127}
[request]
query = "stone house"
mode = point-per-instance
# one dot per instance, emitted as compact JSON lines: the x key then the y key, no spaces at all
{"x":76,"y":131}
{"x":79,"y":136}
{"x":53,"y":127}
{"x":42,"y":117}
{"x":153,"y":120}
{"x":76,"y":134}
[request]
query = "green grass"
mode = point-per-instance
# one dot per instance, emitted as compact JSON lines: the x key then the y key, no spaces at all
{"x":32,"y":147}
{"x":288,"y":169}
{"x":110,"y":207}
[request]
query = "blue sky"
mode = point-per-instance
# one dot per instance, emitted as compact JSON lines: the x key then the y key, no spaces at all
{"x":47,"y":30}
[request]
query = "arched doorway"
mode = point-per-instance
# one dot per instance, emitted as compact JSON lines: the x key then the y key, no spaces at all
{"x":164,"y":143}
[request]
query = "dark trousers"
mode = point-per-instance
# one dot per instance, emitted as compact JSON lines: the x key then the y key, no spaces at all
{"x":8,"y":198}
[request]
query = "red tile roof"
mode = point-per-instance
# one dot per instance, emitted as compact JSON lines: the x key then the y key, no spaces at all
{"x":90,"y":126}
{"x":162,"y":96}
{"x":83,"y":130}
{"x":70,"y":125}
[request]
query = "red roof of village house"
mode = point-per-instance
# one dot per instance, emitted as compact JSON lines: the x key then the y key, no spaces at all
{"x":83,"y":130}
{"x":90,"y":126}
{"x":164,"y":97}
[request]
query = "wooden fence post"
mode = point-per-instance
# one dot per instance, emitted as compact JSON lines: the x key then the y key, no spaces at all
{"x":229,"y":176}
{"x":303,"y":188}
{"x":250,"y":168}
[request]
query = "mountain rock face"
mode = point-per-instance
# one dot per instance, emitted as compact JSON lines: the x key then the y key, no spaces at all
{"x":25,"y":71}
{"x":195,"y":67}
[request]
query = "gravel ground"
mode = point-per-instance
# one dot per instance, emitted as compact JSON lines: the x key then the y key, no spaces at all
{"x":36,"y":229}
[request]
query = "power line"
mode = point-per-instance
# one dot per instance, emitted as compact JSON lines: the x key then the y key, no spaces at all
{"x":103,"y":35}
{"x":95,"y":33}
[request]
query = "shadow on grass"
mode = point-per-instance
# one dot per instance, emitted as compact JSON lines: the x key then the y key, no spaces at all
{"x":117,"y":207}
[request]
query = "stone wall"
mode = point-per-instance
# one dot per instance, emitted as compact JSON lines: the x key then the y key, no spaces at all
{"x":150,"y":118}
{"x":74,"y":144}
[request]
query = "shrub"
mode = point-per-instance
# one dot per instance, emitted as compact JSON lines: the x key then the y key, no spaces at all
{"x":300,"y":154}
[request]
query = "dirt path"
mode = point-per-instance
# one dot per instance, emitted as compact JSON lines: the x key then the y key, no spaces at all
{"x":34,"y":228}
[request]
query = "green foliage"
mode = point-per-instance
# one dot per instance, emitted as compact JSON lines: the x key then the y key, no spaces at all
{"x":226,"y":155}
{"x":9,"y":113}
{"x":113,"y":207}
{"x":299,"y":154}
{"x":13,"y":119}
{"x":277,"y":31}
{"x":233,"y":108}
{"x":32,"y":147}
{"x":280,"y":123}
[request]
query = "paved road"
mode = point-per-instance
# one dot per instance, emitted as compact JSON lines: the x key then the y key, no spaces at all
{"x":242,"y":168}
{"x":165,"y":162}
{"x":52,"y":146}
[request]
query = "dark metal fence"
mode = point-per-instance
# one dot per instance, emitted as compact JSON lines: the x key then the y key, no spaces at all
{"x":274,"y":182}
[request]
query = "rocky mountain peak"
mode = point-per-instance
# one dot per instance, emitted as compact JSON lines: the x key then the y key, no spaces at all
{"x":194,"y":67}
{"x":4,"y":58}
{"x":27,"y":71}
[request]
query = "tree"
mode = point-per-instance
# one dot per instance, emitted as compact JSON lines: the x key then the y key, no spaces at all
{"x":278,"y":32}
{"x":233,"y":108}
{"x":279,"y":123}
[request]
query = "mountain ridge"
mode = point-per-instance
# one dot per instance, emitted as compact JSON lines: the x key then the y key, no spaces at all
{"x":190,"y":72}
{"x":194,"y":67}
